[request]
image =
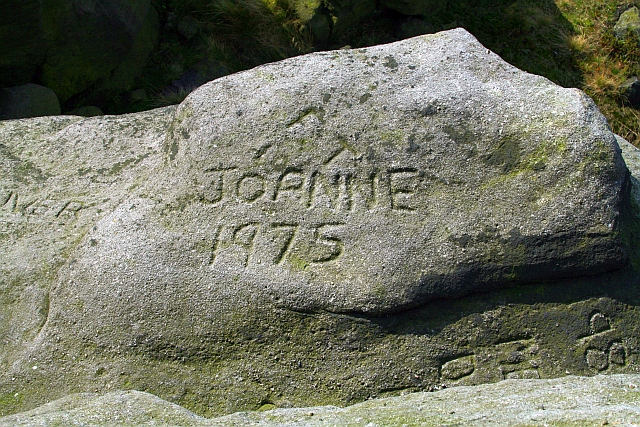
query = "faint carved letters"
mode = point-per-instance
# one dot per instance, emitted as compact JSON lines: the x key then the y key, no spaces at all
{"x":254,"y":243}
{"x":16,"y":203}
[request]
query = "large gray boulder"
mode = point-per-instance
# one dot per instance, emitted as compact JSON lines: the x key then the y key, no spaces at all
{"x":286,"y":235}
{"x":357,"y":182}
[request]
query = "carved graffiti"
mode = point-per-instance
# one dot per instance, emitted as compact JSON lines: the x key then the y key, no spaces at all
{"x":336,"y":190}
{"x":254,"y":243}
{"x":17,"y":203}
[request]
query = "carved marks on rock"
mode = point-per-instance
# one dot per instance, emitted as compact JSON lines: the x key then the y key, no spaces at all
{"x":599,"y":323}
{"x":13,"y":202}
{"x":343,"y":182}
{"x":395,"y":189}
{"x":603,"y":348}
{"x":267,"y":211}
{"x":254,"y":243}
{"x":512,"y":359}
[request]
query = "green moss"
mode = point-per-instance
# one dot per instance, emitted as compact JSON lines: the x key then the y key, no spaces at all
{"x":539,"y":158}
{"x":9,"y":401}
{"x":303,"y":144}
{"x":380,"y":291}
{"x":392,"y":138}
{"x":264,"y":75}
{"x":267,"y":407}
{"x":27,"y":172}
{"x":506,"y":154}
{"x":116,"y":168}
{"x":297,"y":263}
{"x":531,"y":163}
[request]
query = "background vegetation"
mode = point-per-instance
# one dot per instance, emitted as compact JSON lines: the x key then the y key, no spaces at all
{"x":571,"y":42}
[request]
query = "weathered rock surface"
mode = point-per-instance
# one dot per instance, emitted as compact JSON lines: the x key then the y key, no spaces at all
{"x":356,"y":182}
{"x":284,"y":235}
{"x":632,"y":160}
{"x":569,"y":401}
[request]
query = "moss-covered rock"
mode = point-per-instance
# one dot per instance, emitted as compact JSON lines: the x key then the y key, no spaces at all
{"x":628,"y":24}
{"x":227,"y":255}
{"x":569,"y":401}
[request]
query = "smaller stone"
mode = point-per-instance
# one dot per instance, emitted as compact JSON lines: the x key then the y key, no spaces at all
{"x":526,"y":374}
{"x":188,"y":27}
{"x":30,"y":100}
{"x":204,"y":71}
{"x":629,"y":22}
{"x":630,"y":91}
{"x":530,"y":374}
{"x":458,"y":368}
{"x":320,"y":27}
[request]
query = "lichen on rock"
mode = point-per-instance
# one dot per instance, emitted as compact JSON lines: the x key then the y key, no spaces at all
{"x":287,"y":236}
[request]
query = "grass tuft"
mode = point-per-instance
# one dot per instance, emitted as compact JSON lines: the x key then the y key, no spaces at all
{"x":604,"y":61}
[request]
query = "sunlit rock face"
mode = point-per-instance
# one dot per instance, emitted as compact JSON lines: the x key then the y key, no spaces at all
{"x":282,"y":208}
{"x":369,"y":181}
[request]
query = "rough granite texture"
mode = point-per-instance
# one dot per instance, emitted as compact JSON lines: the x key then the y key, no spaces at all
{"x":286,"y":235}
{"x":569,"y":401}
{"x":357,"y":182}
